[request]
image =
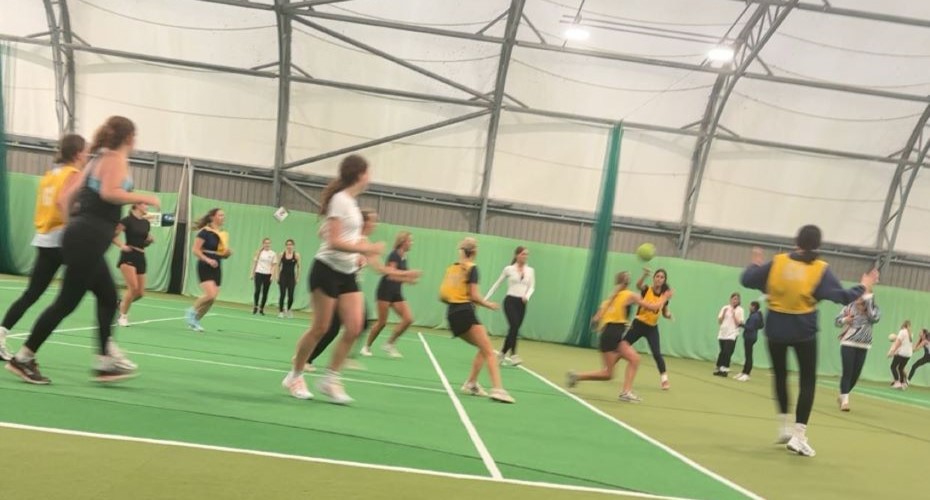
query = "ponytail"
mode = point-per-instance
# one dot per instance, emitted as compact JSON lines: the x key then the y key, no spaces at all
{"x":206,"y":219}
{"x":350,"y":171}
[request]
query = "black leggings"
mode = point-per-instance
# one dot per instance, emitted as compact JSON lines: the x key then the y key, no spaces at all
{"x":748,"y":342}
{"x":334,"y":326}
{"x":853,"y":361}
{"x":920,"y":362}
{"x":515,"y":310}
{"x":726,"y":352}
{"x":897,"y":368}
{"x":806,"y":352}
{"x":651,"y":333}
{"x":262,"y":284}
{"x":286,"y":287}
{"x":83,"y":246}
{"x":48,"y":260}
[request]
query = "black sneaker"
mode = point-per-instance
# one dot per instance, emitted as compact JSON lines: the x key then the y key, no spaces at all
{"x":28,"y":371}
{"x":254,"y":310}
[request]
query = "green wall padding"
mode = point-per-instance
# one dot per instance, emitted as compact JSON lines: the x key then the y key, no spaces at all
{"x":701,"y":288}
{"x":22,"y":201}
{"x":6,"y":248}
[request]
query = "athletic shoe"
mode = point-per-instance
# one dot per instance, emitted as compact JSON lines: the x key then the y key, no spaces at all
{"x":110,"y":369}
{"x":254,"y":310}
{"x":742,"y":377}
{"x":261,"y":311}
{"x":331,"y":386}
{"x":516,"y":360}
{"x":630,"y":397}
{"x":28,"y":371}
{"x":352,"y":364}
{"x":366,"y":351}
{"x":296,"y":386}
{"x":473,"y":389}
{"x":123,"y":320}
{"x":720,"y":373}
{"x":281,"y":314}
{"x":5,"y":353}
{"x":118,"y":355}
{"x":800,"y":446}
{"x":501,"y":396}
{"x":665,"y":385}
{"x":391,"y":351}
{"x":844,"y":405}
{"x":192,"y":321}
{"x":896,"y":385}
{"x":309,"y":368}
{"x":571,"y":379}
{"x":289,"y":314}
{"x":504,"y":360}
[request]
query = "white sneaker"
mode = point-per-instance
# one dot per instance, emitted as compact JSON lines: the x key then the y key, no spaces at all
{"x":515,"y":360}
{"x":331,"y":386}
{"x":296,"y":386}
{"x":289,"y":314}
{"x":473,"y":389}
{"x":502,"y":396}
{"x":844,"y":404}
{"x":571,"y":379}
{"x":111,"y":369}
{"x":506,"y":361}
{"x":742,"y":377}
{"x":800,"y":446}
{"x":896,"y":385}
{"x":366,"y":351}
{"x":309,"y":368}
{"x":281,"y":314}
{"x":784,"y":435}
{"x":391,"y":351}
{"x":120,"y":359}
{"x":5,"y":353}
{"x":123,"y":320}
{"x":630,"y":397}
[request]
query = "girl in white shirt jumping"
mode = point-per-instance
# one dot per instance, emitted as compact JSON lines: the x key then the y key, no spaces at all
{"x":521,"y":282}
{"x":264,"y":266}
{"x":730,"y":319}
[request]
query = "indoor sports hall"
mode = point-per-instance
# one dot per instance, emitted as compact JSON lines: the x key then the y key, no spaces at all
{"x":421,"y":249}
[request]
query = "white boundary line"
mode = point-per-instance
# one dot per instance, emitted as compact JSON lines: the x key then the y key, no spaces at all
{"x":85,"y":328}
{"x":472,"y":432}
{"x":249,"y":367}
{"x":328,"y":461}
{"x":642,"y":435}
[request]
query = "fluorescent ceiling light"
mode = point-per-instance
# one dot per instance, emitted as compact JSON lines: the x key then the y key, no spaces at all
{"x":721,"y":54}
{"x":576,"y":32}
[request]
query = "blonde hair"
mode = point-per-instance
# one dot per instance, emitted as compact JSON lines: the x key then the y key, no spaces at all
{"x":468,"y":246}
{"x":402,"y":237}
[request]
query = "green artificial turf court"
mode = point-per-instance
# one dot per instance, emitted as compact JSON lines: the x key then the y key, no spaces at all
{"x":208,"y":405}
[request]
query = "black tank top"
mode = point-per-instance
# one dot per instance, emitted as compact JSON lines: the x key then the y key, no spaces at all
{"x":288,"y":266}
{"x":90,"y":204}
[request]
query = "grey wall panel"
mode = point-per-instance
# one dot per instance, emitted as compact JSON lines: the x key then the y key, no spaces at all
{"x":143,"y":176}
{"x":169,"y":177}
{"x":292,"y":199}
{"x":28,"y":161}
{"x":234,"y":189}
{"x":419,"y":214}
{"x":628,"y":240}
{"x":534,"y":230}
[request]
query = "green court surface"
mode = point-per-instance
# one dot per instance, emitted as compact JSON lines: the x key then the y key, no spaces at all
{"x":207,"y":417}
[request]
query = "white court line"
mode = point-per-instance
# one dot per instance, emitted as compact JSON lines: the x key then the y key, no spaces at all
{"x":639,"y":433}
{"x":329,"y":461}
{"x":249,"y":367}
{"x":85,"y":328}
{"x":472,"y":432}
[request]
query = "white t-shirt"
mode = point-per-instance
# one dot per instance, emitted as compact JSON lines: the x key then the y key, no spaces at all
{"x":266,"y":261}
{"x":344,"y":208}
{"x":519,"y":284}
{"x":906,"y":348}
{"x":732,"y":318}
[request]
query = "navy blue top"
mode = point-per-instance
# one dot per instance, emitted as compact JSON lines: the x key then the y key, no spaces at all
{"x":785,"y":328}
{"x":388,"y":285}
{"x":753,"y":324}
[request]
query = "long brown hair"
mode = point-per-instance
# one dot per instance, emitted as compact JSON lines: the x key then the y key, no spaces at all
{"x":517,"y":252}
{"x":113,"y":133}
{"x":206,"y":219}
{"x":69,"y":147}
{"x":350,"y":170}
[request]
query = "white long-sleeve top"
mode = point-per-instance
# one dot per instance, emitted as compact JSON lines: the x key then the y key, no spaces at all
{"x":520,"y":282}
{"x":732,"y":319}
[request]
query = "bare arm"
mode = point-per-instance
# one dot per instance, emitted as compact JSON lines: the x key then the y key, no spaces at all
{"x":112,"y":171}
{"x":641,"y":282}
{"x":197,"y":250}
{"x":119,"y":230}
{"x":637,"y":299}
{"x":496,"y":284}
{"x":478,"y":299}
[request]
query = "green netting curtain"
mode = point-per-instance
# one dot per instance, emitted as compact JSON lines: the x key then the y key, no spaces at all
{"x":600,"y":243}
{"x":6,"y":259}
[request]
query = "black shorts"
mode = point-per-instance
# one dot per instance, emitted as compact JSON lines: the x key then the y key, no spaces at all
{"x":640,"y":330}
{"x":611,"y":337}
{"x":461,"y":318}
{"x":133,"y":258}
{"x":330,"y":281}
{"x":389,"y":294}
{"x":207,"y":273}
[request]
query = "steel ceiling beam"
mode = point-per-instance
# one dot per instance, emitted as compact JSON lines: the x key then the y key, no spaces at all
{"x":283,"y":21}
{"x":396,"y":60}
{"x":762,"y":24}
{"x":242,"y":3}
{"x":59,"y":27}
{"x":386,"y":139}
{"x":839,"y":11}
{"x":899,"y":190}
{"x":500,"y":84}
